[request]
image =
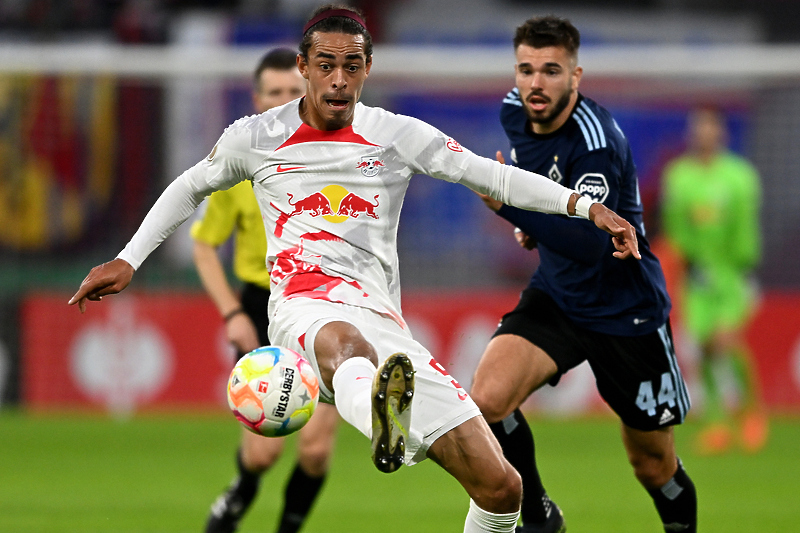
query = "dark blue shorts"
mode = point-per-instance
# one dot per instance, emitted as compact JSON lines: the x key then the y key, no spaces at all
{"x":637,"y":376}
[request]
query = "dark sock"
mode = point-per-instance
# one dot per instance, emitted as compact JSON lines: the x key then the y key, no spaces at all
{"x":300,"y":494}
{"x":516,"y":439}
{"x":676,"y":503}
{"x":248,"y":482}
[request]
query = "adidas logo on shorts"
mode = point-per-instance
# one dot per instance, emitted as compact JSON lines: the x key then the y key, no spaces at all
{"x":666,"y":416}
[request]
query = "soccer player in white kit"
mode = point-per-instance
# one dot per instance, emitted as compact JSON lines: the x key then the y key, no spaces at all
{"x":330,"y":174}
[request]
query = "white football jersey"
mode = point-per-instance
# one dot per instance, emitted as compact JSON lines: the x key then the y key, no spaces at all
{"x":331,"y":200}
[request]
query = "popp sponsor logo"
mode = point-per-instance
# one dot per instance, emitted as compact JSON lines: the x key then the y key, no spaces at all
{"x":593,"y":186}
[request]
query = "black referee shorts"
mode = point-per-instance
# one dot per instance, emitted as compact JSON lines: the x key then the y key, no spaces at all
{"x":637,"y":376}
{"x":254,"y":303}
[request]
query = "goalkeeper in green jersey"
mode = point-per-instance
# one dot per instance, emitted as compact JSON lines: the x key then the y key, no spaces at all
{"x":710,"y":207}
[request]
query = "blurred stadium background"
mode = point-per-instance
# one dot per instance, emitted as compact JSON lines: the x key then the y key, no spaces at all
{"x":104,"y":102}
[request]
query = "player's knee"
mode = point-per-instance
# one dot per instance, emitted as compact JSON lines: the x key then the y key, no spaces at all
{"x":502,"y":493}
{"x":260,"y":456}
{"x":315,"y":459}
{"x":652,"y":470}
{"x":492,"y":406}
{"x":335,"y":343}
{"x":513,"y":493}
{"x":259,"y":463}
{"x":341,"y":340}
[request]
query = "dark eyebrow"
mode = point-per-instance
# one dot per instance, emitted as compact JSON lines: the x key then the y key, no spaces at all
{"x":546,"y":65}
{"x":348,"y":57}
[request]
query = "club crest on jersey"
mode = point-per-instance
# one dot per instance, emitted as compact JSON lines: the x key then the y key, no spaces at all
{"x":593,"y":186}
{"x":453,"y":145}
{"x":555,"y":174}
{"x":370,"y":165}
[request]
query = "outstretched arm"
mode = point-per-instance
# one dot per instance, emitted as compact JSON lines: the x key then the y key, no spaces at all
{"x":175,"y":204}
{"x":431,"y":152}
{"x":173,"y":207}
{"x":108,"y":278}
{"x":522,"y":182}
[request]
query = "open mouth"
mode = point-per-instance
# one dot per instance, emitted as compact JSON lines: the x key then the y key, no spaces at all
{"x":336,"y":104}
{"x":538,"y":103}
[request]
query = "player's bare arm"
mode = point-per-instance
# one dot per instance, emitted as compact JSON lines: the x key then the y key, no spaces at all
{"x":102,"y":280}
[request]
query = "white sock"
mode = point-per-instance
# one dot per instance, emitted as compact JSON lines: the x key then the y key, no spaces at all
{"x":352,"y":390}
{"x":480,"y":521}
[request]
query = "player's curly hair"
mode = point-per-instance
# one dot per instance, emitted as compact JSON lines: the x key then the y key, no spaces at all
{"x":336,"y":25}
{"x":540,"y":32}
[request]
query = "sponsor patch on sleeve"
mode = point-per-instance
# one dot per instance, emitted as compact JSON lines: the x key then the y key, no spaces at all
{"x":594,"y":186}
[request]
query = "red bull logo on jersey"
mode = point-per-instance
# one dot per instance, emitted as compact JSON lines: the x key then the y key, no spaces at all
{"x":333,"y":203}
{"x":354,"y":206}
{"x":370,"y":166}
{"x":314,"y":204}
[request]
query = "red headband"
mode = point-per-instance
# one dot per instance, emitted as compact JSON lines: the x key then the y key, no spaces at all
{"x":334,"y":13}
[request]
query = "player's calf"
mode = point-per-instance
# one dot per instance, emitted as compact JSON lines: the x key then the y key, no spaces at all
{"x":392,"y":391}
{"x":676,"y":502}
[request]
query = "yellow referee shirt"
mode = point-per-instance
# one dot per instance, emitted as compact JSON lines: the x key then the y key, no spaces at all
{"x":236,"y":209}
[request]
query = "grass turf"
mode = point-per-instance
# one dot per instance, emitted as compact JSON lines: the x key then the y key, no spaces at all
{"x":82,"y":473}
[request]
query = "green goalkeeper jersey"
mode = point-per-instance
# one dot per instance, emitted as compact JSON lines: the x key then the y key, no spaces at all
{"x":711,"y":213}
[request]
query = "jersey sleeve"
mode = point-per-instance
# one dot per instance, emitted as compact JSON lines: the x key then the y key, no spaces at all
{"x":571,"y":237}
{"x":441,"y":157}
{"x":598,"y":175}
{"x":230,"y":162}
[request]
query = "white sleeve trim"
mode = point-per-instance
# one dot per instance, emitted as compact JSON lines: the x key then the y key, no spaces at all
{"x":582,"y":207}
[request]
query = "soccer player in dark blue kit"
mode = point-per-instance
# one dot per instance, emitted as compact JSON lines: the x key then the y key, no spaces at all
{"x":582,"y":304}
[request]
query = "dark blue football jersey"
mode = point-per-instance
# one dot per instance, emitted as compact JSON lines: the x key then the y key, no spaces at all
{"x":590,"y":154}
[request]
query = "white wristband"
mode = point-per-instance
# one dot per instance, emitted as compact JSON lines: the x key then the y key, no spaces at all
{"x":582,"y":207}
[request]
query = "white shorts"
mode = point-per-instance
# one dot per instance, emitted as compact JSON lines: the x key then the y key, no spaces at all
{"x":440,"y":403}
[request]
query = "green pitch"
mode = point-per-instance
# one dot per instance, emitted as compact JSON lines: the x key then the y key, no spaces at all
{"x":74,"y":473}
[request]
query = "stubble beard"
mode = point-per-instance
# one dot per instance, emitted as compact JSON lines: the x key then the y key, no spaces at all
{"x":547,"y":118}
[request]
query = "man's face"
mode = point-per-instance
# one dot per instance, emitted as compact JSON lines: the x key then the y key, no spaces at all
{"x":336,"y":69}
{"x":547,"y":79}
{"x":707,"y":132}
{"x":277,"y":87}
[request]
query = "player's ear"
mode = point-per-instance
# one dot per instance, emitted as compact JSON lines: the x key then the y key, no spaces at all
{"x":576,"y":77}
{"x":302,"y":65}
{"x":367,"y":66}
